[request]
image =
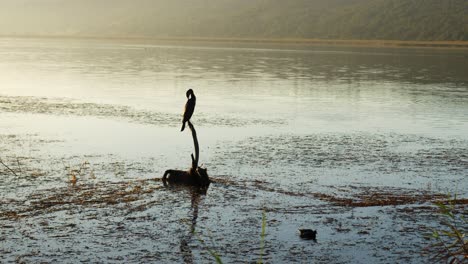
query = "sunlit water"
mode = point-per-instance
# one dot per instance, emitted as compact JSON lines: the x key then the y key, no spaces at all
{"x":302,"y":119}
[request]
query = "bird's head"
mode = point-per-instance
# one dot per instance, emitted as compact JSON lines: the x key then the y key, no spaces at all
{"x":189,"y":92}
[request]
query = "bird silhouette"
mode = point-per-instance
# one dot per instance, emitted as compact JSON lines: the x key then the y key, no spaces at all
{"x":308,"y":234}
{"x":189,"y":107}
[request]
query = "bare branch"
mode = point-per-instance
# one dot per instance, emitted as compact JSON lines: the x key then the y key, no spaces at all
{"x":195,"y":143}
{"x":6,"y":166}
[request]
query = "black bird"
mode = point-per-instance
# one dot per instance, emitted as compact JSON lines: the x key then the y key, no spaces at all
{"x":308,"y":234}
{"x":189,"y":107}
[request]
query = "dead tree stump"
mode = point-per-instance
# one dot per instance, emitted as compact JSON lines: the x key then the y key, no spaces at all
{"x":195,"y":176}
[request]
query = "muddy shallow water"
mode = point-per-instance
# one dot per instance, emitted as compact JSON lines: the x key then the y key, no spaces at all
{"x":354,"y":143}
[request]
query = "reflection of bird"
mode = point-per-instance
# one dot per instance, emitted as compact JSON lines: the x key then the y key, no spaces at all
{"x":308,"y":234}
{"x":189,"y":107}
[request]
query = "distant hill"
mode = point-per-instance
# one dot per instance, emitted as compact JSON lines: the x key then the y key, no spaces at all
{"x":324,"y":19}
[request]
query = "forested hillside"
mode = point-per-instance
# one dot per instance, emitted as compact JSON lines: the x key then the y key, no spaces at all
{"x":325,"y":19}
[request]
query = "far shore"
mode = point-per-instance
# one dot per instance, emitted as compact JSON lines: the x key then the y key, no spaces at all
{"x":274,"y":41}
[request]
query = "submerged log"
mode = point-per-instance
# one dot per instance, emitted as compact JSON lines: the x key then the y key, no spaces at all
{"x":195,"y":176}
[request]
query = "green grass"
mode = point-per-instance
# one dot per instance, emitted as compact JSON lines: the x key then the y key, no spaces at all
{"x":262,"y":237}
{"x":451,"y":244}
{"x":213,"y":253}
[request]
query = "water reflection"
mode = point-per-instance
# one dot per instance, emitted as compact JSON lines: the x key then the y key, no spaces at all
{"x":300,"y":84}
{"x":351,"y":117}
{"x":196,"y":197}
{"x":159,"y":62}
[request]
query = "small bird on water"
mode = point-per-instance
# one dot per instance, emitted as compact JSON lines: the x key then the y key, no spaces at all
{"x":308,"y":234}
{"x":189,"y":107}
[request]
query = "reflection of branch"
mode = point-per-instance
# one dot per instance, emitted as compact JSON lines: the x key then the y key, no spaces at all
{"x":6,"y":166}
{"x":184,"y":246}
{"x":19,"y":165}
{"x":195,"y":203}
{"x":187,"y":254}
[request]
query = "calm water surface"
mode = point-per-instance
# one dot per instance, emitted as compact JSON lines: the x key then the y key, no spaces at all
{"x":125,"y":98}
{"x":300,"y":119}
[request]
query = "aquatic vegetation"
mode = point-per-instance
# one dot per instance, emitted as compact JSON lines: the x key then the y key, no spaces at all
{"x":83,"y":169}
{"x":451,"y":243}
{"x":67,"y":107}
{"x":212,"y":252}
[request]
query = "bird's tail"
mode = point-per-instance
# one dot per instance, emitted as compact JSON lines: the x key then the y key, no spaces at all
{"x":183,"y":126}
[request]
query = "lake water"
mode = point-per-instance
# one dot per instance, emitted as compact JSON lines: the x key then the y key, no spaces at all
{"x":272,"y":121}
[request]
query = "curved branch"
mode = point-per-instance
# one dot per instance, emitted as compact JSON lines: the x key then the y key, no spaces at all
{"x":195,"y":143}
{"x":195,"y":176}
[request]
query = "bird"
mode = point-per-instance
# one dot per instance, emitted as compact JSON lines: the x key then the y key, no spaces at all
{"x":308,"y":234}
{"x":189,"y":107}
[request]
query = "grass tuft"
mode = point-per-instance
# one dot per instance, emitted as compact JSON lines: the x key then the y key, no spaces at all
{"x":450,"y":243}
{"x":262,"y":237}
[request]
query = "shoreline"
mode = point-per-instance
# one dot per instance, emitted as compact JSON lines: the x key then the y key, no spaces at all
{"x":278,"y":41}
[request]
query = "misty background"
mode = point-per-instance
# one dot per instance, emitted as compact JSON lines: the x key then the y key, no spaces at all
{"x":335,"y":19}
